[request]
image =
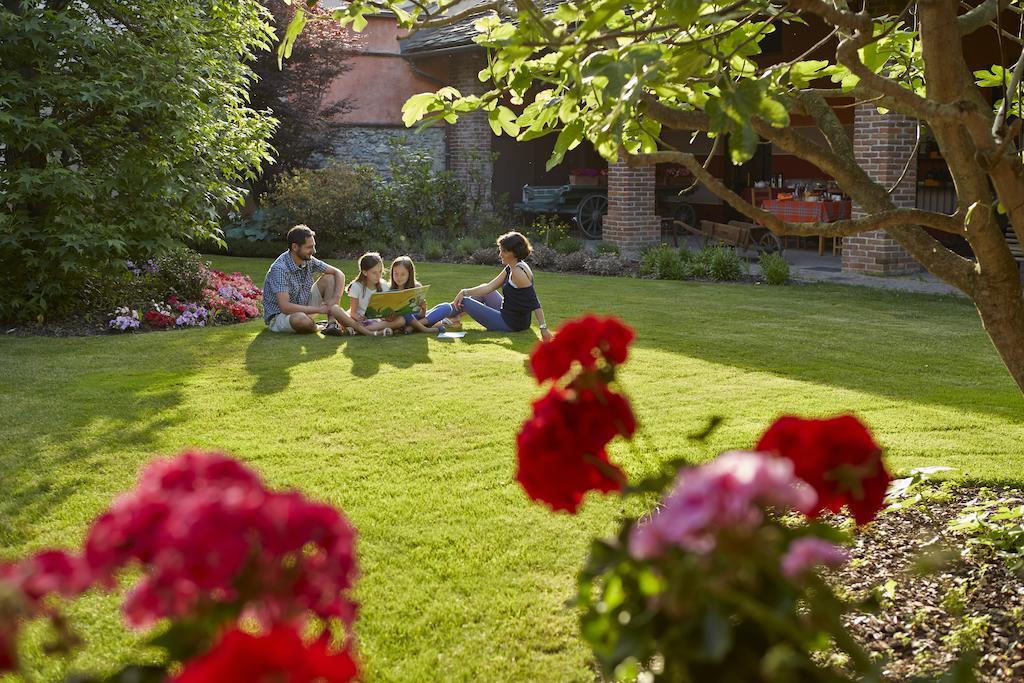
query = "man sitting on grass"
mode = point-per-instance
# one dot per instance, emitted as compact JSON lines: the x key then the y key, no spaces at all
{"x":291,"y":298}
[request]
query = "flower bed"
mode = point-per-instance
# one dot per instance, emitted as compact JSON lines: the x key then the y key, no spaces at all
{"x":226,"y":298}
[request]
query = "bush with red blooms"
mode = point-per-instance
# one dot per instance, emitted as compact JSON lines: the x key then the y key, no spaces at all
{"x":215,"y":548}
{"x":562,"y":447}
{"x":720,"y":582}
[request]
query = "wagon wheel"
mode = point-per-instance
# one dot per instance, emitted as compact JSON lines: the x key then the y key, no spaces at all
{"x":590,"y":213}
{"x":687,"y":214}
{"x":769,"y":243}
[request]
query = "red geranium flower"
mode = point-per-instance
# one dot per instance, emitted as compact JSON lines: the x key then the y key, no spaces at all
{"x":583,"y":340}
{"x":837,"y":457}
{"x":561,"y":448}
{"x":280,"y":655}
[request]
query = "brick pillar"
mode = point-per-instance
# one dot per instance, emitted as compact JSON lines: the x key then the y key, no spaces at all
{"x":469,"y":140}
{"x":631,"y":222}
{"x":881,"y":144}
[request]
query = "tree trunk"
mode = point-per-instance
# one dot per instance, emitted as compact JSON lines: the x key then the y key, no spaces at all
{"x":1002,"y":314}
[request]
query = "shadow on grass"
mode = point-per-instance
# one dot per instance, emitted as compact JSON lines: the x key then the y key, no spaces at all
{"x":270,"y":357}
{"x":101,"y":394}
{"x":368,"y":354}
{"x":908,"y":347}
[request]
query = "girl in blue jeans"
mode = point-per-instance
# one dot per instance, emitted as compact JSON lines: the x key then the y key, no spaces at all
{"x":508,"y":310}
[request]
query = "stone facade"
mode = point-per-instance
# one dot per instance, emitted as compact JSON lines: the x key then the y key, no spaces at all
{"x":369,"y":145}
{"x":469,"y":139}
{"x":631,"y":222}
{"x":882,"y":145}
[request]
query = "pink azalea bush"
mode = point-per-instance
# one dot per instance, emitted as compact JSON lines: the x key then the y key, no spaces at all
{"x":215,"y":548}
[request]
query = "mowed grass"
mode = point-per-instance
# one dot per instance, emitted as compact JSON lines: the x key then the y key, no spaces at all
{"x":463,"y":578}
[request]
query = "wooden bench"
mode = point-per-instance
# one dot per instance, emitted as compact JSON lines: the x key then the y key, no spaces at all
{"x":1014,"y":244}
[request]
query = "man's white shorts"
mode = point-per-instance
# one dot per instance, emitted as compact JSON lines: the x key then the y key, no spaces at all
{"x":281,"y":323}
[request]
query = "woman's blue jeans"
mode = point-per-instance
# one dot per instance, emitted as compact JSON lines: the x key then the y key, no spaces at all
{"x":486,"y":310}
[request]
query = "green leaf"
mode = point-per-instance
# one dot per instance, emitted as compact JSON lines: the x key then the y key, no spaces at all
{"x":802,"y":73}
{"x":284,"y":50}
{"x":416,"y":106}
{"x":567,"y":139}
{"x":683,"y":12}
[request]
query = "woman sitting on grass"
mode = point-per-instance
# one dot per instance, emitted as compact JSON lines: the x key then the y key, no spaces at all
{"x":508,"y":310}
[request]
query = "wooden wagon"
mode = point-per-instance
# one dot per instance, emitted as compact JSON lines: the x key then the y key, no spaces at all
{"x":735,"y":233}
{"x":587,"y":205}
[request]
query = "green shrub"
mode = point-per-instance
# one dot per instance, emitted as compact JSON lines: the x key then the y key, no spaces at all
{"x":549,"y":229}
{"x":182,"y":273}
{"x":607,"y":248}
{"x":725,"y":263}
{"x":418,"y":201}
{"x":257,"y":227}
{"x":339,"y":202}
{"x":465,"y":247}
{"x":663,"y":262}
{"x":433,"y":249}
{"x":774,"y":269}
{"x":567,"y":245}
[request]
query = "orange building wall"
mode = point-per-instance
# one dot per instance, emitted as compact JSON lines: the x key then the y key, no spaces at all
{"x":381,"y":80}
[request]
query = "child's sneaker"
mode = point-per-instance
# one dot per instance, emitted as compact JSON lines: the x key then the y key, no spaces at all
{"x":452,"y":324}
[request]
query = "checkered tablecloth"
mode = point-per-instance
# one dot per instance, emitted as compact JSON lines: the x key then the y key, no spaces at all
{"x":807,"y":212}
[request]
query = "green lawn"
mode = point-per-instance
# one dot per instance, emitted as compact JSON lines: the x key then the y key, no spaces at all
{"x":462,"y":577}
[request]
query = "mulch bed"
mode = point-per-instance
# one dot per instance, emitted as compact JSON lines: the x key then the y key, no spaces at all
{"x":71,"y":327}
{"x":974,"y":601}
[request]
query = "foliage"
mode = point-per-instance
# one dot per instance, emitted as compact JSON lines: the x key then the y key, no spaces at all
{"x":340,"y":203}
{"x":465,"y":247}
{"x":297,"y":89}
{"x":417,"y":200}
{"x":774,"y":268}
{"x":663,"y":262}
{"x":996,"y":525}
{"x":126,"y":130}
{"x":485,"y":256}
{"x":607,"y":264}
{"x":714,"y":584}
{"x":573,"y":262}
{"x":723,"y":262}
{"x":433,"y":249}
{"x":607,"y":248}
{"x":256,"y":227}
{"x":544,"y":257}
{"x":549,"y":230}
{"x":215,"y":548}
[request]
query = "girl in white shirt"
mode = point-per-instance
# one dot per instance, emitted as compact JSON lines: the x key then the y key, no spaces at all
{"x":370,"y":280}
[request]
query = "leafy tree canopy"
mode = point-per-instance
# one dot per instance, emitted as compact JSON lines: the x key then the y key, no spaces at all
{"x":125,"y":128}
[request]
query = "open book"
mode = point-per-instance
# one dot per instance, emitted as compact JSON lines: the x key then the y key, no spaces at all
{"x":396,"y":302}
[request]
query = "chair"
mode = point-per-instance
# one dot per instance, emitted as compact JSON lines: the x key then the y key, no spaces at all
{"x":759,"y":194}
{"x":837,"y":245}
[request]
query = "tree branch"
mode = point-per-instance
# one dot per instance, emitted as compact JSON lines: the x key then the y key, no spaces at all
{"x":979,"y":16}
{"x":433,"y":21}
{"x":876,"y":221}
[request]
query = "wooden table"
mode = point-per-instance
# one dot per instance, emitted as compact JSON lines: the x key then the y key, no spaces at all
{"x":793,"y":211}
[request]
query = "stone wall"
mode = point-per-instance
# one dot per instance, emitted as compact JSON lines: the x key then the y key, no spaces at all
{"x":882,"y":145}
{"x":368,"y":145}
